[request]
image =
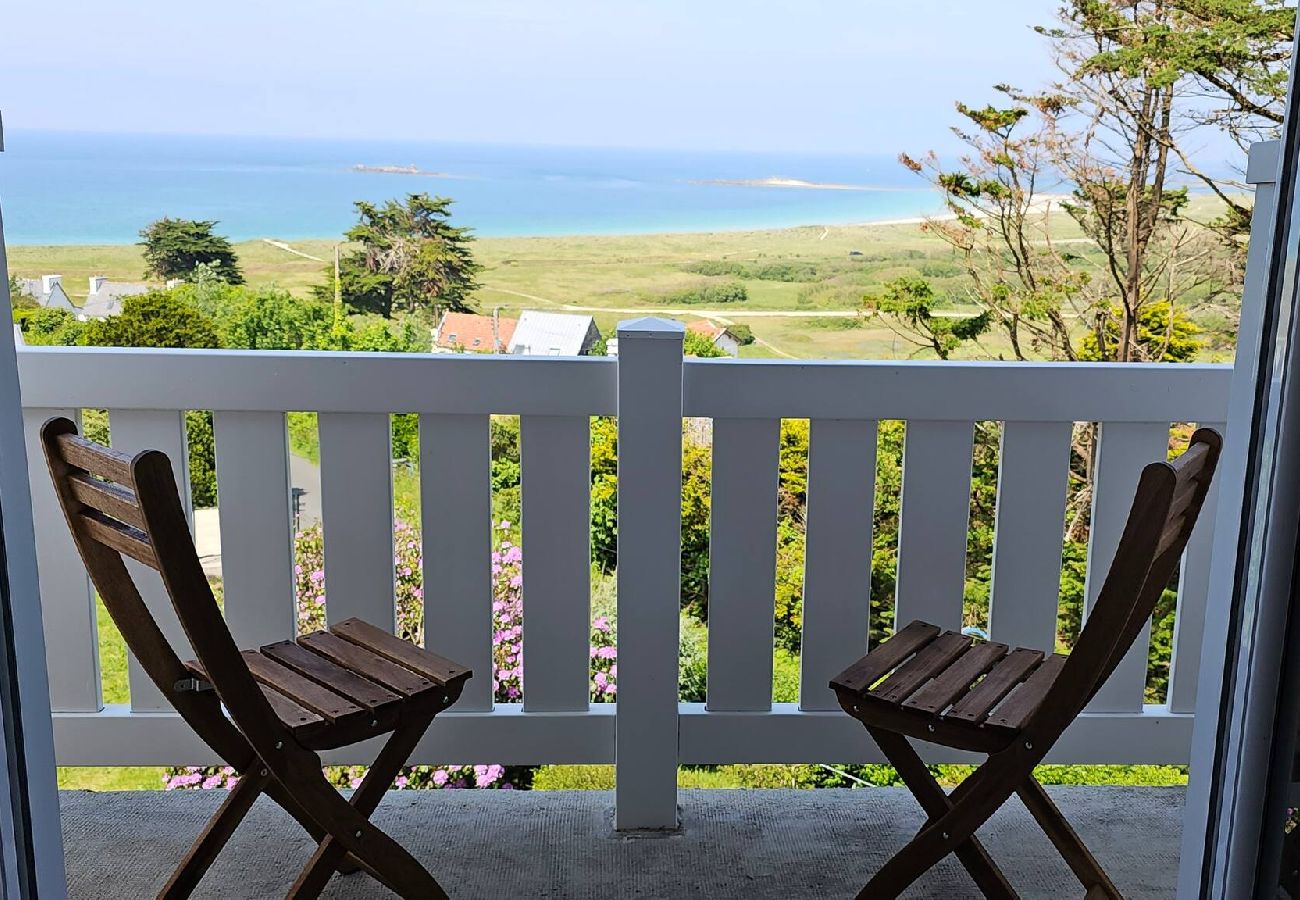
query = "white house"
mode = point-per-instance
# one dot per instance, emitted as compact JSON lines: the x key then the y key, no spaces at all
{"x":553,"y":334}
{"x":723,"y":339}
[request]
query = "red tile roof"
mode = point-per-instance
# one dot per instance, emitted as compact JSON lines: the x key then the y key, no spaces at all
{"x":706,"y":328}
{"x":467,"y":331}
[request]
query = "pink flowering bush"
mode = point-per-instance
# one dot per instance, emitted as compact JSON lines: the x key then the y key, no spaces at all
{"x":507,"y":655}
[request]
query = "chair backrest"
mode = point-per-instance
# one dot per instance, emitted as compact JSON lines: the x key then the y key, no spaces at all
{"x":1160,"y":522}
{"x":121,"y":506}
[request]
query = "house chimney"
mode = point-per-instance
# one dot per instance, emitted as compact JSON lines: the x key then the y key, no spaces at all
{"x":97,"y":282}
{"x":48,"y":283}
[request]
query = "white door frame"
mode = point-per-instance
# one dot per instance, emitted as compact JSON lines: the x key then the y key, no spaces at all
{"x":1255,"y":555}
{"x":30,"y":833}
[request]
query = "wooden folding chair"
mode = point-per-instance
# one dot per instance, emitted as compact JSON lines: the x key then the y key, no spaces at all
{"x":1013,"y":704}
{"x":265,"y":712}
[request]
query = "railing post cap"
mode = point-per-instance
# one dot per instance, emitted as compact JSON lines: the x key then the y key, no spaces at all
{"x":651,"y":328}
{"x":1263,"y":162}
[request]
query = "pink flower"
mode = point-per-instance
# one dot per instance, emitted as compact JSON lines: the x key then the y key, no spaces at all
{"x":440,"y":777}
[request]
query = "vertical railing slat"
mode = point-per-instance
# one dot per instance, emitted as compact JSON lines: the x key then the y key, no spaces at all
{"x":256,"y":521}
{"x":1033,"y":477}
{"x":555,"y":473}
{"x":133,"y":430}
{"x":1124,"y":449}
{"x":933,"y":518}
{"x":1193,"y":595}
{"x":357,"y":515}
{"x":67,"y":601}
{"x":456,"y":525}
{"x":837,"y":558}
{"x":742,"y":563}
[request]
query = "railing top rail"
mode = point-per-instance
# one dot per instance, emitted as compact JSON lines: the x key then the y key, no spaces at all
{"x":960,"y":391}
{"x":134,"y":378}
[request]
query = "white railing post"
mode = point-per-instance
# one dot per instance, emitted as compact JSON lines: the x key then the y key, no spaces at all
{"x":649,"y":571}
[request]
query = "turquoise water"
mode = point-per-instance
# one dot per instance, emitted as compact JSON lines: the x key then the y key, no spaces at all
{"x":67,"y":188}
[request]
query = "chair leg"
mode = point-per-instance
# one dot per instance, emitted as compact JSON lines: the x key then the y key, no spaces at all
{"x":215,"y":834}
{"x":1067,"y":841}
{"x":928,"y":792}
{"x":387,"y":860}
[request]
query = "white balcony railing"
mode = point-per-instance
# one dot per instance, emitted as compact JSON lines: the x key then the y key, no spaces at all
{"x":652,"y":389}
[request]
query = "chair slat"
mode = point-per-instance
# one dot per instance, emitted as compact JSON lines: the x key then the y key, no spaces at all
{"x":360,"y":691}
{"x":1025,"y":699}
{"x":404,"y":653}
{"x":555,"y":485}
{"x":926,"y":664}
{"x":304,"y":723}
{"x":360,"y":660}
{"x":124,"y":539}
{"x":933,"y":518}
{"x":303,"y":691}
{"x":106,"y":497}
{"x":837,"y":562}
{"x":456,"y":528}
{"x":868,"y":670}
{"x":742,"y":563}
{"x":997,"y":684}
{"x":102,"y":461}
{"x":957,"y":678}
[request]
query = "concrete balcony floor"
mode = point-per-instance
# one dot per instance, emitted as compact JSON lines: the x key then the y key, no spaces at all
{"x":744,"y":844}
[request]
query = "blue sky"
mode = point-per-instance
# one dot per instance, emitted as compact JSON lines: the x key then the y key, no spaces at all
{"x":814,"y":75}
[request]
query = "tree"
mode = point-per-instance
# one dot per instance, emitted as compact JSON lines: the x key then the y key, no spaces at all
{"x":411,"y":257}
{"x":1109,"y":132}
{"x":18,"y":296}
{"x":1165,"y":334}
{"x":155,"y":319}
{"x":174,"y":248}
{"x":1237,"y":53}
{"x":49,"y":326}
{"x":907,"y":303}
{"x":696,"y":344}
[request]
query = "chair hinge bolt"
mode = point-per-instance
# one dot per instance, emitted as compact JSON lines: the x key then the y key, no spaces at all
{"x":358,"y":834}
{"x":1029,"y":745}
{"x":279,"y":745}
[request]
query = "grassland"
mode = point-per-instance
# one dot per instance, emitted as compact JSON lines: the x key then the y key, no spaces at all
{"x":812,"y":315}
{"x":615,"y":277}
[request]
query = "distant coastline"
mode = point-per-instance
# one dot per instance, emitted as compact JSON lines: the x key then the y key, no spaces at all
{"x":399,"y":170}
{"x":775,"y":181}
{"x":84,"y":190}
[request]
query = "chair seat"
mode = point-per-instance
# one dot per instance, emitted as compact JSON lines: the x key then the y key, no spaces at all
{"x":350,"y":682}
{"x":944,"y":687}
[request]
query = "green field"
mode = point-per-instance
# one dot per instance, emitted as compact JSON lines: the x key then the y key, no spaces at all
{"x":616,"y":277}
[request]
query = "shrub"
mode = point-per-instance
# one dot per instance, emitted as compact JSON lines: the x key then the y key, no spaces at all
{"x":709,"y":293}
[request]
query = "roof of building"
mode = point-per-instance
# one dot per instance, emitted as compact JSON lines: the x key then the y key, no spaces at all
{"x":107,"y":300}
{"x":56,"y":297}
{"x":709,"y":329}
{"x":552,"y":334}
{"x":467,"y":331}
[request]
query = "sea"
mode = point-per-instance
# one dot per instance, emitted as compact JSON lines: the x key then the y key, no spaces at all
{"x":84,"y":188}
